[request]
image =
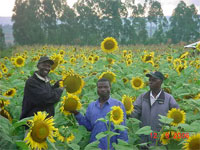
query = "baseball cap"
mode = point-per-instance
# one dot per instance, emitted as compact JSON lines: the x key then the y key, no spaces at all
{"x":45,"y":58}
{"x":156,"y":74}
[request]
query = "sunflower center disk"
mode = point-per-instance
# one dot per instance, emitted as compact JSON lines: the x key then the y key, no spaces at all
{"x":19,"y":61}
{"x":72,"y":84}
{"x":177,"y":117}
{"x":109,"y":45}
{"x":70,"y":104}
{"x":137,"y":83}
{"x":116,"y":115}
{"x":194,"y":144}
{"x":40,"y":132}
{"x":127,"y":104}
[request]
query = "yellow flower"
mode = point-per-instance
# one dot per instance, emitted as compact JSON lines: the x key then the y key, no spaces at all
{"x":4,"y":103}
{"x":91,"y":59}
{"x":137,"y":83}
{"x":148,"y":57}
{"x":125,"y":80}
{"x":129,"y":62}
{"x":169,"y":58}
{"x":177,"y":62}
{"x":184,"y":55}
{"x":19,"y":61}
{"x":109,"y":45}
{"x":165,"y":139}
{"x":1,"y":75}
{"x":73,"y":83}
{"x":96,"y":58}
{"x":193,"y":143}
{"x":5,"y":70}
{"x":72,"y":60}
{"x":62,"y":52}
{"x":110,"y":61}
{"x":128,"y":104}
{"x":6,"y":114}
{"x":70,"y":103}
{"x":10,"y":93}
{"x":198,"y":46}
{"x":41,"y":128}
{"x":116,"y":115}
{"x":177,"y":115}
{"x":70,"y":138}
{"x":108,"y":75}
{"x":179,"y":68}
{"x":57,"y":59}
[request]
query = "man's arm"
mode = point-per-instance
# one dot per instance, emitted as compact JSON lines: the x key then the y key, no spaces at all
{"x":172,"y":102}
{"x":137,"y":108}
{"x":84,"y":120}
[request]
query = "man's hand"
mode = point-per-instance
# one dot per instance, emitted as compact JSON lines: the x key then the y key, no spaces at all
{"x":56,"y":85}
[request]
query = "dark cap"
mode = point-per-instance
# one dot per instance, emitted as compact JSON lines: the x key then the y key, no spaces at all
{"x":45,"y":58}
{"x":156,"y":74}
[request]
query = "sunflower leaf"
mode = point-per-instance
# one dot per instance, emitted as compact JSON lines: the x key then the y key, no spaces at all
{"x":120,"y":127}
{"x":102,"y":119}
{"x":93,"y":146}
{"x":22,"y":145}
{"x":21,"y":122}
{"x":74,"y":146}
{"x":52,"y":144}
{"x":101,"y":135}
{"x":165,"y":119}
{"x":146,"y":130}
{"x":122,"y":145}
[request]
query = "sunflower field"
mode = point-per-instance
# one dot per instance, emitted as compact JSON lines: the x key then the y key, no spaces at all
{"x":80,"y":68}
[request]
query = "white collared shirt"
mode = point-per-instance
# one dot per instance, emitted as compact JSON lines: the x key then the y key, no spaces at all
{"x":43,"y":79}
{"x":152,"y":98}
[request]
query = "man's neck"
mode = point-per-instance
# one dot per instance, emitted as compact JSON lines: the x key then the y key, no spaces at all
{"x":155,"y":92}
{"x":103,"y":99}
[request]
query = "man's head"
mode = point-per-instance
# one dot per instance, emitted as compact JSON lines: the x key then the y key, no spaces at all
{"x":44,"y":66}
{"x":103,"y":88}
{"x":155,"y":80}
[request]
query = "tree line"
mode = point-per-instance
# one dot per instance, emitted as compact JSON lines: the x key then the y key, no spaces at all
{"x":88,"y":22}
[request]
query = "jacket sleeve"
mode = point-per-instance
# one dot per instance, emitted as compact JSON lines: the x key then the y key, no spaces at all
{"x":172,"y":103}
{"x":43,"y":95}
{"x":123,"y":134}
{"x":84,"y":120}
{"x":137,"y":108}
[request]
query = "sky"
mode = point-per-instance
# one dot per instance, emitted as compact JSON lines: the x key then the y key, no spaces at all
{"x":6,"y":6}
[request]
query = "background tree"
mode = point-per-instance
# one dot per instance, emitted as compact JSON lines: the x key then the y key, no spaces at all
{"x":184,"y":24}
{"x":2,"y":39}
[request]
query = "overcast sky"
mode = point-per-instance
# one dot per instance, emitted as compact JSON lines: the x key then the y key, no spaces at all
{"x":6,"y":6}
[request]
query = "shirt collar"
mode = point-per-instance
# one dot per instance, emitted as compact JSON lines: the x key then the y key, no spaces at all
{"x":151,"y":95}
{"x":42,"y":78}
{"x":108,"y":101}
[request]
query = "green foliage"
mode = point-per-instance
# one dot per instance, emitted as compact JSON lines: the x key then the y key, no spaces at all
{"x":2,"y":39}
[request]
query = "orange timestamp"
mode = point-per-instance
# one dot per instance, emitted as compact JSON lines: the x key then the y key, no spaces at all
{"x":174,"y":135}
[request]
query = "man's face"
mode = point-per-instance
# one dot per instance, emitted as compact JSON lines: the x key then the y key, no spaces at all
{"x":103,"y":89}
{"x":44,"y":68}
{"x":154,"y":83}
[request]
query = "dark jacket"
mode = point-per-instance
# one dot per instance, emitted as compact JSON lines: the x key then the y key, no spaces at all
{"x":39,"y":96}
{"x":148,"y":115}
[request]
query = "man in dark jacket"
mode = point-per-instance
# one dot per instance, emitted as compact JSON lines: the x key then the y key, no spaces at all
{"x":150,"y":104}
{"x":39,"y":95}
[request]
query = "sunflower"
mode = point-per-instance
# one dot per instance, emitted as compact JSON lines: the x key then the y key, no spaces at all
{"x":128,"y":104}
{"x":41,"y":128}
{"x":91,"y":59}
{"x":109,"y":45}
{"x":3,"y":66}
{"x":57,"y":59}
{"x":108,"y":75}
{"x":125,"y":80}
{"x":184,"y":55}
{"x":198,"y":46}
{"x":129,"y":62}
{"x":10,"y":93}
{"x":73,"y":83}
{"x":70,"y":138}
{"x":164,"y":138}
{"x":116,"y":115}
{"x":177,"y":62}
{"x":1,"y":75}
{"x":19,"y":61}
{"x":62,"y":52}
{"x":193,"y":143}
{"x":4,"y":103}
{"x":5,"y":114}
{"x":5,"y":70}
{"x":72,"y":60}
{"x":70,"y":103}
{"x":110,"y":61}
{"x":148,"y":57}
{"x":178,"y":116}
{"x":96,"y":58}
{"x":179,"y":68}
{"x":169,"y":58}
{"x":137,"y":83}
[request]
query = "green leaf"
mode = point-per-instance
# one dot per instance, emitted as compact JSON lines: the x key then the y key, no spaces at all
{"x":22,"y":122}
{"x":22,"y":145}
{"x":120,"y":127}
{"x":165,"y":119}
{"x":158,"y":148}
{"x":122,"y":145}
{"x":93,"y":146}
{"x":102,"y":119}
{"x":74,"y":146}
{"x":146,"y":130}
{"x":101,"y":135}
{"x":51,"y":144}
